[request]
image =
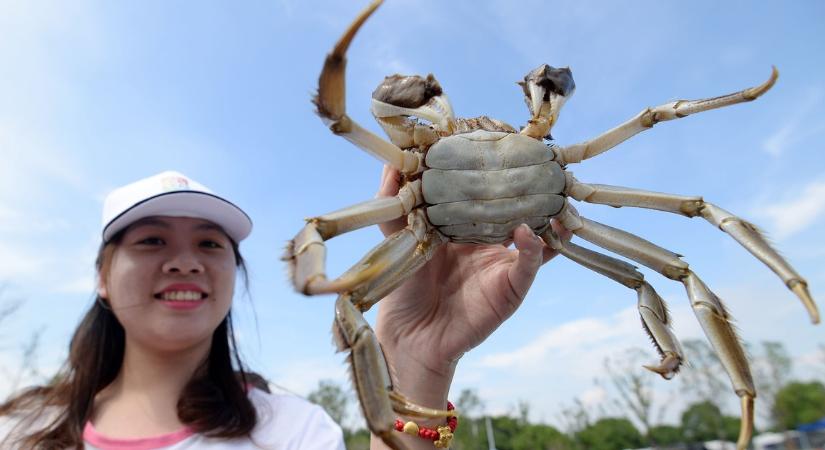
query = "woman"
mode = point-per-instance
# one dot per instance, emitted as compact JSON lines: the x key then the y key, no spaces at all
{"x":151,"y":364}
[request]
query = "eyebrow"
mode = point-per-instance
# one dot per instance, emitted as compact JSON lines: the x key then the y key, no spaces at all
{"x":152,"y":221}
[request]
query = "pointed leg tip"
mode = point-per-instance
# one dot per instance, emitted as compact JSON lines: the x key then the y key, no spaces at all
{"x":746,"y":425}
{"x":662,"y":371}
{"x":755,"y":92}
{"x":801,"y":291}
{"x":668,"y":367}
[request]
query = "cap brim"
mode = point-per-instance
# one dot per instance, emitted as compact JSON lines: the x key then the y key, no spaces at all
{"x":195,"y":204}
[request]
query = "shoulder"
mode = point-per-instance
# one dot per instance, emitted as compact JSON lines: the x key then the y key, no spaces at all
{"x":291,"y":420}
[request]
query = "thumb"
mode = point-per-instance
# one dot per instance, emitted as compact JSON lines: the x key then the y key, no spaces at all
{"x":530,"y":257}
{"x":390,"y":183}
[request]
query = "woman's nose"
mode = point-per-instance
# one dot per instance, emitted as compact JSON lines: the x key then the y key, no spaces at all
{"x":183,"y":262}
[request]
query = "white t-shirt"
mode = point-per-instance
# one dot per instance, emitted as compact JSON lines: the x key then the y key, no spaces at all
{"x":285,"y":422}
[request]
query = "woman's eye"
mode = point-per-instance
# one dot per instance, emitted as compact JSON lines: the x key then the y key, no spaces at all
{"x":151,"y":241}
{"x":211,"y":244}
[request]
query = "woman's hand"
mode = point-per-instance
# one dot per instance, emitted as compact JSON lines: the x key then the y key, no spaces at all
{"x":451,"y":305}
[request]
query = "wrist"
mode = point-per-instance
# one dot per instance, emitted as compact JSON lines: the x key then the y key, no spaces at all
{"x":421,"y":381}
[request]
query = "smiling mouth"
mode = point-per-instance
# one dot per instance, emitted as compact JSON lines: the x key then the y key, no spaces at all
{"x":181,"y":296}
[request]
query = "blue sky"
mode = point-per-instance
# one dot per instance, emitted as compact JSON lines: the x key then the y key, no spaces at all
{"x":98,"y":94}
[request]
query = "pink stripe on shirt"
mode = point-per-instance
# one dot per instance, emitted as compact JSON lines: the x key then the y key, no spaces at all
{"x":93,"y":437}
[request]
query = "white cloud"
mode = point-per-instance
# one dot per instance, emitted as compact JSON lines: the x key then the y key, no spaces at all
{"x":302,"y":376}
{"x":593,"y":396}
{"x":798,"y":126}
{"x":803,"y":208}
{"x":589,"y":336}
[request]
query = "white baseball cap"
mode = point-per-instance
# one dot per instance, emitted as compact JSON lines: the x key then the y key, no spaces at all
{"x":171,"y":194}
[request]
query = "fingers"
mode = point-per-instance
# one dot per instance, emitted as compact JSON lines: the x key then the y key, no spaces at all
{"x":563,"y":233}
{"x":531,"y":255}
{"x":390,"y":183}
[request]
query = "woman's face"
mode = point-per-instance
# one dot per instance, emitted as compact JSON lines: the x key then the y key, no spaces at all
{"x":170,"y":281}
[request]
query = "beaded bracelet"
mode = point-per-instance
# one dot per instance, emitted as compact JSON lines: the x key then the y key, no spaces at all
{"x":441,"y":436}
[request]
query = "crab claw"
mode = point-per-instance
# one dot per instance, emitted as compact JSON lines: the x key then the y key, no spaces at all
{"x":413,"y":95}
{"x":546,"y":89}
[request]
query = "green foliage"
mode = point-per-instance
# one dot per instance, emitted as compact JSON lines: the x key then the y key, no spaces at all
{"x":358,"y":440}
{"x":799,"y":403}
{"x":470,"y":434}
{"x":771,"y":370}
{"x":332,"y":397}
{"x":510,"y":434}
{"x":610,"y":434}
{"x":469,"y":404}
{"x":704,"y":379}
{"x":665,"y":434}
{"x":704,"y":421}
{"x":540,"y":437}
{"x":505,"y":429}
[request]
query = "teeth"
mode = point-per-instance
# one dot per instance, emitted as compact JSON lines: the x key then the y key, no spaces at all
{"x":181,"y":296}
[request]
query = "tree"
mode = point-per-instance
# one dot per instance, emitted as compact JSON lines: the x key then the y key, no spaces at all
{"x":332,"y":397}
{"x":704,"y":421}
{"x":633,"y":384}
{"x":357,"y":440}
{"x":505,"y":429}
{"x":469,"y":404}
{"x":771,"y":370}
{"x":574,"y":418}
{"x":799,"y":403}
{"x":523,"y":408}
{"x":541,"y":437}
{"x":469,"y":435}
{"x":704,"y":379}
{"x":610,"y":434}
{"x":665,"y":435}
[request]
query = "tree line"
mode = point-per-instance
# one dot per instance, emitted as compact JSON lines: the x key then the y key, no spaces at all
{"x":628,"y":417}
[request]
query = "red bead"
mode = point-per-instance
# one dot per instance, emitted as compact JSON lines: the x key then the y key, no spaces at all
{"x":429,"y":433}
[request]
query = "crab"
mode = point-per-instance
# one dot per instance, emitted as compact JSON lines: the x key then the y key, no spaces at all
{"x":474,"y":180}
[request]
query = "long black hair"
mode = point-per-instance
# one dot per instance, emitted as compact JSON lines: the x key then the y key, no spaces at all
{"x":213,"y":403}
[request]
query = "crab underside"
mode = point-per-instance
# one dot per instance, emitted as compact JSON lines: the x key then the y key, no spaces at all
{"x":475,"y":180}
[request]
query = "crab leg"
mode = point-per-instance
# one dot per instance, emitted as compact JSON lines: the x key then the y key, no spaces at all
{"x":399,"y":256}
{"x":306,"y":252}
{"x":331,"y":105}
{"x":651,"y":116}
{"x":380,"y":403}
{"x":708,"y":308}
{"x":745,"y":233}
{"x":651,"y":307}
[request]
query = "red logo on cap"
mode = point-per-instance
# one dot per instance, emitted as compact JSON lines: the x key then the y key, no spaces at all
{"x":174,"y":183}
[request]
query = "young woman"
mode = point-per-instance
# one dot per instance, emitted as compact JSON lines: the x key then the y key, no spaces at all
{"x":152,"y":365}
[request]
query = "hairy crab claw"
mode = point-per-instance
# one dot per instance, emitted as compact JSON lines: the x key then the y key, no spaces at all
{"x":546,"y":89}
{"x":412,"y":95}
